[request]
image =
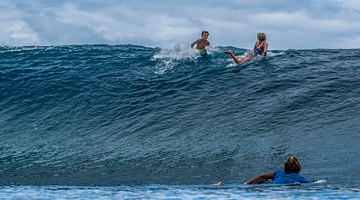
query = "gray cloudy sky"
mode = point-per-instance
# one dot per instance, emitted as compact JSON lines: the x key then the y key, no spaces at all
{"x":288,"y":24}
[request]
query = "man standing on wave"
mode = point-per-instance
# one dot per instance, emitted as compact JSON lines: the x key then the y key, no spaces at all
{"x":203,"y":42}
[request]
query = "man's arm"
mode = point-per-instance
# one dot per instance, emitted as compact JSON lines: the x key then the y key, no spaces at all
{"x":265,"y":49}
{"x":192,"y":45}
{"x":265,"y":176}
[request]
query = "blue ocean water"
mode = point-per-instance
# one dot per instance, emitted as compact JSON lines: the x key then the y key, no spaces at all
{"x":127,"y":121}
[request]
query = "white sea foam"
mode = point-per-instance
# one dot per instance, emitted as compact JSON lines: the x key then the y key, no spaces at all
{"x":168,"y":58}
{"x":273,"y":54}
{"x":171,"y":55}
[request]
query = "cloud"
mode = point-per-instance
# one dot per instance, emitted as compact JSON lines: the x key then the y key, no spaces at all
{"x":14,"y":30}
{"x":288,"y":24}
{"x":120,"y":23}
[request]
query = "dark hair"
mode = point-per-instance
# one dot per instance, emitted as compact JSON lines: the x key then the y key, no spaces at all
{"x":204,"y":33}
{"x":292,"y":165}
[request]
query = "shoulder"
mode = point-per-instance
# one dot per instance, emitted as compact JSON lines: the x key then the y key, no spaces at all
{"x":266,"y":46}
{"x":279,"y":172}
{"x":207,"y":42}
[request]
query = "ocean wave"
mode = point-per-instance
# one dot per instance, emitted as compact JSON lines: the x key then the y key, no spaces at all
{"x":127,"y":114}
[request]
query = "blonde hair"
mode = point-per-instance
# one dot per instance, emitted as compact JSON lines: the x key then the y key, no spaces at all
{"x":261,"y":37}
{"x":292,"y":165}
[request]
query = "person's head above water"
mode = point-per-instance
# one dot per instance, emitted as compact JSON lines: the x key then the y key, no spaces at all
{"x":292,"y":165}
{"x":261,"y":37}
{"x":202,"y":42}
{"x":205,"y":35}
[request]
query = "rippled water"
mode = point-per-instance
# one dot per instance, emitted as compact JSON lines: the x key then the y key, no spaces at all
{"x":180,"y":192}
{"x":101,"y":115}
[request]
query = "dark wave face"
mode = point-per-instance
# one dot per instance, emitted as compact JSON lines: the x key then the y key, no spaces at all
{"x":113,"y":115}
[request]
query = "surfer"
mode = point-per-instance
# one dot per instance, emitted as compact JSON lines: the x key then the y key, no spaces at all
{"x":203,"y":42}
{"x":260,"y":47}
{"x":290,"y":174}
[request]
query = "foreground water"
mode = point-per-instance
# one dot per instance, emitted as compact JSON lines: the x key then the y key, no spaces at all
{"x":180,"y":192}
{"x":112,"y":121}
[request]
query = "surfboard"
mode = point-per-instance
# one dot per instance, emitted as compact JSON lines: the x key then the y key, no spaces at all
{"x":203,"y":51}
{"x":319,"y":181}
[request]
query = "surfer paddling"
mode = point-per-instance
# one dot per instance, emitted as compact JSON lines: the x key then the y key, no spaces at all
{"x":290,"y":174}
{"x":260,"y":47}
{"x":203,"y":42}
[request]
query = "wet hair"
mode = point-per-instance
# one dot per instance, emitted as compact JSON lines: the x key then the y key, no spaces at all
{"x":292,"y":165}
{"x":204,"y":33}
{"x":261,"y":37}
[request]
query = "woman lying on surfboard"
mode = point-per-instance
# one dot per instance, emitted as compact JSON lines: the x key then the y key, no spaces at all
{"x":260,"y":47}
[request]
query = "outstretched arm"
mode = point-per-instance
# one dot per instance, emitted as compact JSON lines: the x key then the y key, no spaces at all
{"x":192,"y":45}
{"x":265,"y":176}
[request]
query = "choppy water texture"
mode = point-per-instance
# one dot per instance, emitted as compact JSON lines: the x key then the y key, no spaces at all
{"x":101,"y":115}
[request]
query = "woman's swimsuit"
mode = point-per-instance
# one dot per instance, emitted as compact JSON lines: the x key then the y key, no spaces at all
{"x":258,"y":51}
